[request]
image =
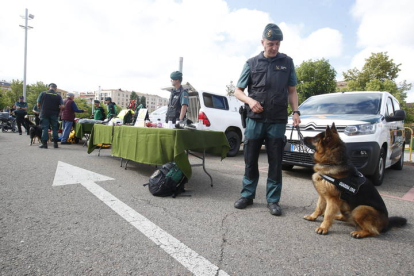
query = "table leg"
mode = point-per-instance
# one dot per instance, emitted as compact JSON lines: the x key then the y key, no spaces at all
{"x":203,"y":158}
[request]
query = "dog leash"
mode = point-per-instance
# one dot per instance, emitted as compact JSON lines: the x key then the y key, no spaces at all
{"x":301,"y":146}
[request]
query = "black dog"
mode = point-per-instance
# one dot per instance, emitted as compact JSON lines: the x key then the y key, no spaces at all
{"x":34,"y":130}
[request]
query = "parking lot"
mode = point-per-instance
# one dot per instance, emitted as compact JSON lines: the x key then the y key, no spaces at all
{"x":102,"y":229}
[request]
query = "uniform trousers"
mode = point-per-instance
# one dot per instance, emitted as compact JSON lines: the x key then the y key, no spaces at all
{"x":273,"y":135}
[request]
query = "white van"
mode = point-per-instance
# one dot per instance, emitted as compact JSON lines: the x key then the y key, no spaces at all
{"x":211,"y":111}
{"x":370,"y":123}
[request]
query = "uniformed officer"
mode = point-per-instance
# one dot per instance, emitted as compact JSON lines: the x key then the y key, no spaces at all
{"x":49,"y":103}
{"x":178,"y":103}
{"x":271,"y":79}
{"x":20,"y":112}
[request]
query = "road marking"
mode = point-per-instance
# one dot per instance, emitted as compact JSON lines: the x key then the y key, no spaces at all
{"x":409,"y":196}
{"x":67,"y":174}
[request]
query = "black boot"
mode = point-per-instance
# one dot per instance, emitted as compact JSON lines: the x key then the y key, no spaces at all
{"x":43,"y":145}
{"x":55,"y":144}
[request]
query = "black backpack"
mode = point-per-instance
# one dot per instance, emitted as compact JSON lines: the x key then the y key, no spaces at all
{"x":169,"y":180}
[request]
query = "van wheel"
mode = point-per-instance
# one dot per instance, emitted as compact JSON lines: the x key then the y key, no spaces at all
{"x":234,"y":142}
{"x":378,"y":175}
{"x":400,"y":164}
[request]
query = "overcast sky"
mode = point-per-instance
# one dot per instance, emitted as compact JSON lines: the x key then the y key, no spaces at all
{"x":135,"y":45}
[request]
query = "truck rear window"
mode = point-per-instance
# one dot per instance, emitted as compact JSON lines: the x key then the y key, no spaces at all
{"x":215,"y":101}
{"x":342,"y":103}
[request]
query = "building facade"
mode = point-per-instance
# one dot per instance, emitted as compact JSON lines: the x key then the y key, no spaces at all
{"x":122,"y":98}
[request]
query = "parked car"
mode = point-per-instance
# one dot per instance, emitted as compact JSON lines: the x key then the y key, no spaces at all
{"x":159,"y":113}
{"x":370,"y":123}
{"x":211,"y":111}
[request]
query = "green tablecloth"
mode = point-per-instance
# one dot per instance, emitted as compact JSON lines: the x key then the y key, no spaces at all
{"x":159,"y":146}
{"x":83,"y":128}
{"x":101,"y":134}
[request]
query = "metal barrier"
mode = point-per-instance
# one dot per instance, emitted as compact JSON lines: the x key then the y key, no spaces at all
{"x":411,"y":142}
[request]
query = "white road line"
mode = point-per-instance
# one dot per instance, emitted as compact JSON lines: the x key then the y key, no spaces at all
{"x":190,"y":259}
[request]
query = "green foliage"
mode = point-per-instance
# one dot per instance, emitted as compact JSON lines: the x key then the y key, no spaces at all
{"x":314,"y":78}
{"x":133,"y":96}
{"x":143,"y":102}
{"x":230,"y":89}
{"x":379,"y":74}
{"x":82,"y":104}
{"x":33,"y":91}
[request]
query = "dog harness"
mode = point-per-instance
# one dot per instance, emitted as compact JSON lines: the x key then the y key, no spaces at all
{"x":349,"y":184}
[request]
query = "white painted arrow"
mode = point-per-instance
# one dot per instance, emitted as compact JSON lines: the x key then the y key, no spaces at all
{"x":67,"y":174}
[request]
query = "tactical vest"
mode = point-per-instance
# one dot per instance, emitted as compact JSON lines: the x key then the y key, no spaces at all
{"x":50,"y":105}
{"x":174,"y":105}
{"x":269,"y":86}
{"x":68,"y":114}
{"x":18,"y":112}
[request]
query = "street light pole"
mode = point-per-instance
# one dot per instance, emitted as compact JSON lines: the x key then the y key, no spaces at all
{"x":25,"y":27}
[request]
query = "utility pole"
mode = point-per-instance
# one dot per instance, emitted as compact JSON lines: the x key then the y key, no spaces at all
{"x":25,"y":27}
{"x":180,"y":66}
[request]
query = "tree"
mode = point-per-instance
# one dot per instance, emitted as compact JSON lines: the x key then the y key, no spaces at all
{"x":33,"y":92}
{"x":230,"y":89}
{"x":133,"y":96}
{"x":379,"y":74}
{"x":82,"y":104}
{"x":314,"y":78}
{"x":143,"y":101}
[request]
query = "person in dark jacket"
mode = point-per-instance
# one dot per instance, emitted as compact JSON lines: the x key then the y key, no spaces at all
{"x":68,"y":116}
{"x":178,"y":102}
{"x":20,"y":112}
{"x":271,"y":79}
{"x":49,"y":103}
{"x":111,"y":108}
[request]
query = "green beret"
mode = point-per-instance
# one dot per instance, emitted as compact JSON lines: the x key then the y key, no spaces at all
{"x":177,"y":75}
{"x":272,"y":32}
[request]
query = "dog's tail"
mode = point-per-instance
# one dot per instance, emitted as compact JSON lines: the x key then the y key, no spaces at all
{"x":395,"y":222}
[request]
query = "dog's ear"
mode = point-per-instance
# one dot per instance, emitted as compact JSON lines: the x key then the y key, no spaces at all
{"x":333,"y":128}
{"x":328,"y":134}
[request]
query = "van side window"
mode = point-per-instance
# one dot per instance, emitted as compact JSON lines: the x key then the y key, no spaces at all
{"x":390,"y":108}
{"x":215,"y":101}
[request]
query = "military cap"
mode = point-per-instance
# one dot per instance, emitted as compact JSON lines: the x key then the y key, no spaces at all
{"x":21,"y":97}
{"x":108,"y":99}
{"x":176,"y":75}
{"x":272,"y":32}
{"x":53,"y":85}
{"x":96,"y":101}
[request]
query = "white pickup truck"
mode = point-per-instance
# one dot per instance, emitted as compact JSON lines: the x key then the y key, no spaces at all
{"x":211,"y":111}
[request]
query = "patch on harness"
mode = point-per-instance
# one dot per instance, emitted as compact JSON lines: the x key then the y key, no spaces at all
{"x":349,"y":184}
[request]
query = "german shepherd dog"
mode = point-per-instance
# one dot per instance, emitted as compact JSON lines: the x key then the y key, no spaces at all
{"x":344,"y":193}
{"x":34,"y":131}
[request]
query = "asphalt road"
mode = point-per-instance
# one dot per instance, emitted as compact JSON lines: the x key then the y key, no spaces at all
{"x":68,"y":230}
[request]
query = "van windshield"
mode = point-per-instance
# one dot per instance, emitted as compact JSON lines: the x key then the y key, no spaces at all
{"x":343,"y":103}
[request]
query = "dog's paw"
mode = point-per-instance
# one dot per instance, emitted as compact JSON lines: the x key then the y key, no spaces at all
{"x":321,"y":230}
{"x":360,"y":234}
{"x":309,"y":217}
{"x":340,"y":217}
